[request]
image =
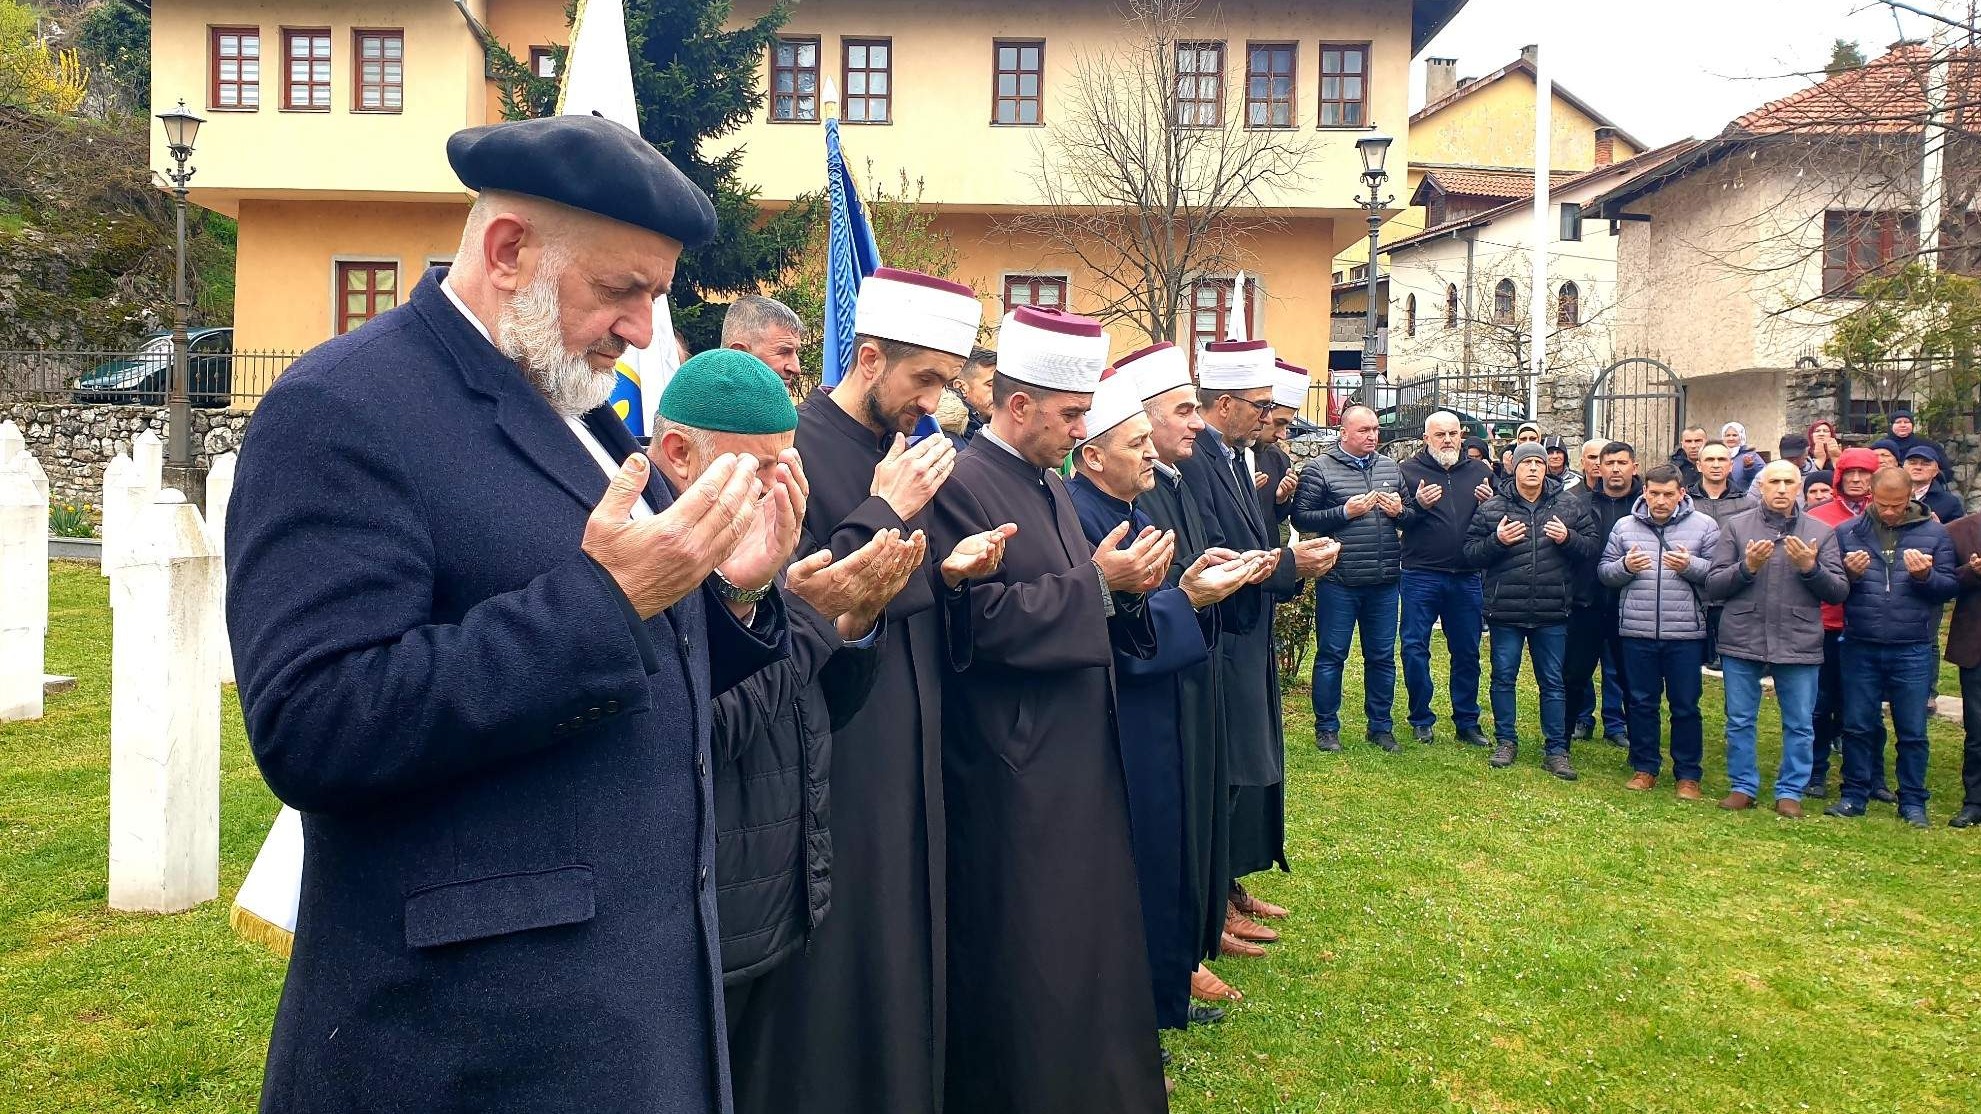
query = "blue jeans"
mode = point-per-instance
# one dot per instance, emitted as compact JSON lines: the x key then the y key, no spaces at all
{"x":1337,"y":611}
{"x":1829,"y":717}
{"x":1875,"y":673}
{"x":1795,"y":691}
{"x":1544,"y":646}
{"x":1665,"y":671}
{"x":1456,"y":600}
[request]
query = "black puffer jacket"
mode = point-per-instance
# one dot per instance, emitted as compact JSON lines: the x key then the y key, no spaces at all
{"x":773,"y":759}
{"x":1371,"y":550}
{"x":1530,"y":584}
{"x":1605,"y":510}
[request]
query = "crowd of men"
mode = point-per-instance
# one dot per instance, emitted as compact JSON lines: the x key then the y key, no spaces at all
{"x":1633,"y":583}
{"x":793,"y":761}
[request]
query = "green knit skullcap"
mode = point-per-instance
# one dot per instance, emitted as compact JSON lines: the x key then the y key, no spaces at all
{"x":727,"y":391}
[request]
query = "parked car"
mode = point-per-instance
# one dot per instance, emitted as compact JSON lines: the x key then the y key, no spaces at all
{"x":144,"y":376}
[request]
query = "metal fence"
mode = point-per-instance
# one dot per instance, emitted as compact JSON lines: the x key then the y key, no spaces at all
{"x":140,"y":377}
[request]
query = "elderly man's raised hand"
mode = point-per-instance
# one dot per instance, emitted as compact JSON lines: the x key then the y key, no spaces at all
{"x":656,"y":561}
{"x":766,"y":545}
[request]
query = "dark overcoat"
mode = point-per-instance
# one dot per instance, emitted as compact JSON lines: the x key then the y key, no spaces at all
{"x":507,"y":900}
{"x":1041,"y":1019}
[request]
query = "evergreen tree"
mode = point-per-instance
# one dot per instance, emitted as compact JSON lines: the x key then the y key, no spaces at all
{"x":1844,"y":56}
{"x":115,"y":42}
{"x":694,"y":81}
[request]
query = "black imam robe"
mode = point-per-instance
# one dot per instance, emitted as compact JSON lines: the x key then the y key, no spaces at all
{"x":1149,"y":699}
{"x":856,"y":1024}
{"x":1046,"y":1015}
{"x":1200,"y":718}
{"x":1247,"y":670}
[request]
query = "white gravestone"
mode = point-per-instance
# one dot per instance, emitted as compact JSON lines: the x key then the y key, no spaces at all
{"x":141,"y":487}
{"x":23,"y":595}
{"x":25,"y":463}
{"x":116,"y":485}
{"x":11,"y":441}
{"x":165,"y":713}
{"x":148,"y":453}
{"x":219,"y":489}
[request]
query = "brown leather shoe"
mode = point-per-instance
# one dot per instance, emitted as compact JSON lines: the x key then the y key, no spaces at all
{"x":1205,"y":986}
{"x":1232,"y":945}
{"x":1688,"y":790}
{"x":1255,"y":907}
{"x":1737,"y":802}
{"x":1245,"y":928}
{"x":1788,"y":807}
{"x":1640,"y":782}
{"x":1168,"y":1085}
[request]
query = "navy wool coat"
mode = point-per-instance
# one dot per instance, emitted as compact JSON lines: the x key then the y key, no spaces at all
{"x":507,"y":900}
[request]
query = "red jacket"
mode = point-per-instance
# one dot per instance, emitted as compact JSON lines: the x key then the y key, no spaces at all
{"x":1834,"y":513}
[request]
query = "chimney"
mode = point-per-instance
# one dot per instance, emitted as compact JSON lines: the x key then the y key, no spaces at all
{"x":1440,"y":79}
{"x":1903,"y":43}
{"x":1529,"y":52}
{"x":1605,"y":146}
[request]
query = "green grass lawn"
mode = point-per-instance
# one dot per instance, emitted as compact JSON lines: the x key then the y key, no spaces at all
{"x":1464,"y":939}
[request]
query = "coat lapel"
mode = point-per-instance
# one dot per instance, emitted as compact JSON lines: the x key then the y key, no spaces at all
{"x":1248,"y":506}
{"x":524,"y":416}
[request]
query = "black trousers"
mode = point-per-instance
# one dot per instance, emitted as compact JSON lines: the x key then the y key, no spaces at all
{"x":1591,"y":631}
{"x":1970,"y":717}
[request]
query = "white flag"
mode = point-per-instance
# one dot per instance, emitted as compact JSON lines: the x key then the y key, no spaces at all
{"x":598,"y":80}
{"x":1234,"y":326}
{"x":265,"y":909}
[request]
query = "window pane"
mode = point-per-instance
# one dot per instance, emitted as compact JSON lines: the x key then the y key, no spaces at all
{"x":807,"y":108}
{"x":1028,"y":57}
{"x":808,"y":55}
{"x":1261,"y":58}
{"x":320,"y":47}
{"x":1207,"y":295}
{"x":1351,"y":61}
{"x":784,"y":84}
{"x":299,"y":72}
{"x":355,"y":303}
{"x":1351,"y":88}
{"x":856,"y":82}
{"x":808,"y":81}
{"x":321,"y":97}
{"x":251,"y":96}
{"x":781,"y":108}
{"x":1048,"y":294}
{"x":370,"y":72}
{"x":1330,"y":61}
{"x":856,"y":109}
{"x":1255,"y":88}
{"x":1028,"y":85}
{"x":227,"y":97}
{"x":877,"y":113}
{"x":299,"y":48}
{"x":230,"y":70}
{"x":1330,"y":88}
{"x":1283,"y":61}
{"x":1330,"y":114}
{"x":1352,"y":114}
{"x":1186,"y":61}
{"x":877,"y":84}
{"x":394,"y":96}
{"x":319,"y":71}
{"x":856,"y":57}
{"x":1007,"y":58}
{"x":370,"y":48}
{"x":1283,"y":88}
{"x":1255,"y":115}
{"x":1028,"y":112}
{"x":230,"y":44}
{"x":1007,"y":112}
{"x":370,"y":98}
{"x":1007,"y":85}
{"x":250,"y":71}
{"x":1282,"y":115}
{"x":878,"y":56}
{"x":395,"y":48}
{"x":250,"y":46}
{"x":384,"y":278}
{"x":786,"y":54}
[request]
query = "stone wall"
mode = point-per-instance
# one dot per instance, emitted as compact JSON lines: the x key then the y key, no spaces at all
{"x":76,"y":442}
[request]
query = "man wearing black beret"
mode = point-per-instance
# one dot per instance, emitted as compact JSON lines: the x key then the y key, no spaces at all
{"x":477,"y":643}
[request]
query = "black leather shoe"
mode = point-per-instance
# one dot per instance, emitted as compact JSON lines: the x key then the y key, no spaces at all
{"x":1473,"y":737}
{"x":1384,"y":740}
{"x":1816,"y":789}
{"x":1914,"y":815}
{"x":1584,"y":732}
{"x":1967,"y":817}
{"x":1327,"y":742}
{"x":1883,"y":794}
{"x":1201,"y":1014}
{"x":1617,"y":741}
{"x":1424,"y":735}
{"x":1845,"y":807}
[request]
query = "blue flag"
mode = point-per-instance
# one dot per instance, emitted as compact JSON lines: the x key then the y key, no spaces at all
{"x":851,"y":255}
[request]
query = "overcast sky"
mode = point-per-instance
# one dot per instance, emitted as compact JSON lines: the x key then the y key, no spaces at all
{"x":1667,"y":69}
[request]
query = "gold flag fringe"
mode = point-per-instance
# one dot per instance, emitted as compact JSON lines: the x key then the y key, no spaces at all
{"x":258,"y":931}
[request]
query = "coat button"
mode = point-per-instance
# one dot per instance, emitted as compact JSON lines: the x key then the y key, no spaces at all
{"x":612,"y":707}
{"x":701,"y":879}
{"x":560,"y":729}
{"x":685,"y":647}
{"x":701,"y":767}
{"x":593,"y":714}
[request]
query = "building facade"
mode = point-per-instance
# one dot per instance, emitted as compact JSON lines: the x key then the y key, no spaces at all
{"x":327,"y":124}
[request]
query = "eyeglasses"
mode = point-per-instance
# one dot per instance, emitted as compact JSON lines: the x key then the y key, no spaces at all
{"x":1265,"y":405}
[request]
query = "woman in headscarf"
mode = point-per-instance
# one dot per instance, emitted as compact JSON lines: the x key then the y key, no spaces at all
{"x":1746,"y":462}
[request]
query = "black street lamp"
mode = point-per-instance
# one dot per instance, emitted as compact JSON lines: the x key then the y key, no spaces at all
{"x":1374,"y":149}
{"x":181,"y":129}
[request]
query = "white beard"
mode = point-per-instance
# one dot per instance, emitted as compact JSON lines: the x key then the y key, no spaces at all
{"x":1446,"y":458}
{"x":530,"y":332}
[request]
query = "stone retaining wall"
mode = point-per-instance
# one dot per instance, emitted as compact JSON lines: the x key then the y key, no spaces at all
{"x":76,"y":442}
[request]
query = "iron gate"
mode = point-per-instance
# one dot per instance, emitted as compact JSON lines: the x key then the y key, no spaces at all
{"x":1638,"y":400}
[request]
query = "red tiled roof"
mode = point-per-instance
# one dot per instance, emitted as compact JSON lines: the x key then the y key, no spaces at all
{"x":1884,"y":96}
{"x":1489,"y":181}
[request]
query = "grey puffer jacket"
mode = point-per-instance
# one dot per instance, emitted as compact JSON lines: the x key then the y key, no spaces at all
{"x":1659,"y":603}
{"x":1371,"y":548}
{"x":1775,"y":615}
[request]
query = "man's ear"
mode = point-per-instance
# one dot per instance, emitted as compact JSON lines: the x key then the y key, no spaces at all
{"x":502,"y":251}
{"x":674,"y":456}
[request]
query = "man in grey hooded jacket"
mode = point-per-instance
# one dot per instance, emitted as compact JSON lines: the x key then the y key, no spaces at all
{"x":1657,"y":559}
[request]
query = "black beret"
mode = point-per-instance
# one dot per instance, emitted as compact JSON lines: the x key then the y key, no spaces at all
{"x":588,"y":163}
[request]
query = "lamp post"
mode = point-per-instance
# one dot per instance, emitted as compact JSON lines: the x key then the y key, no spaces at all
{"x":1374,"y":149}
{"x":181,"y":128}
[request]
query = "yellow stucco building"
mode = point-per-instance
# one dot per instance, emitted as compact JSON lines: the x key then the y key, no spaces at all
{"x":1473,"y":139}
{"x":326,"y":127}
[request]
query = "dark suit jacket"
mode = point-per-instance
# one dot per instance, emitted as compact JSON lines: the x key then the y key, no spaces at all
{"x":503,"y":773}
{"x":1964,"y":629}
